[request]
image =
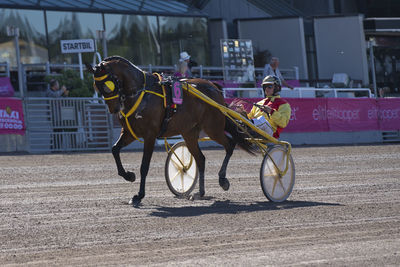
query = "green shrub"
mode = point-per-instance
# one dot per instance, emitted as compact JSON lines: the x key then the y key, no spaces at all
{"x":72,"y":81}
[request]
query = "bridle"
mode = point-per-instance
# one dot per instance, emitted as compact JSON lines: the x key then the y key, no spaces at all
{"x":111,"y":82}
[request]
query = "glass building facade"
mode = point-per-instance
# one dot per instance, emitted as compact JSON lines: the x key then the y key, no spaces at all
{"x":144,"y":39}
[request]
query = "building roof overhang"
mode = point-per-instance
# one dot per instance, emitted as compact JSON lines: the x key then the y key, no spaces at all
{"x":139,"y":7}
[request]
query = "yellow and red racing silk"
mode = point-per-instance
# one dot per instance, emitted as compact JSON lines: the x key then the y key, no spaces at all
{"x":279,"y":116}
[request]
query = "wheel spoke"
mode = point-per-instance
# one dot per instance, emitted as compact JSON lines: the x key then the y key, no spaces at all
{"x":190,"y":162}
{"x":182,"y":182}
{"x":176,"y":165}
{"x":273,"y":188}
{"x":183,"y":156}
{"x":178,"y":159}
{"x":283,"y":187}
{"x":190,"y":176}
{"x":173,"y":178}
{"x":271,"y":170}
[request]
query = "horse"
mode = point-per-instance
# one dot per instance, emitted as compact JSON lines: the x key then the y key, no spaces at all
{"x":139,"y":98}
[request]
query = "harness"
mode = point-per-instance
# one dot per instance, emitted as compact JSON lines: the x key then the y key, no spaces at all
{"x":111,"y":86}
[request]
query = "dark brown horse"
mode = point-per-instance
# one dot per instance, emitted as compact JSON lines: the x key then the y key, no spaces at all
{"x":137,"y":96}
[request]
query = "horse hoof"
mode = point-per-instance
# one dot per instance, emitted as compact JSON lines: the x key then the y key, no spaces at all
{"x":224,"y":183}
{"x":135,"y":201}
{"x":130,"y":176}
{"x":196,"y":196}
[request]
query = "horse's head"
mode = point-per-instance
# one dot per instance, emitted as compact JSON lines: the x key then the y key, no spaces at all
{"x":116,"y":79}
{"x":107,"y":84}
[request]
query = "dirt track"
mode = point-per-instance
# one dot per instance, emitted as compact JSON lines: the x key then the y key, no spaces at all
{"x":72,"y":210}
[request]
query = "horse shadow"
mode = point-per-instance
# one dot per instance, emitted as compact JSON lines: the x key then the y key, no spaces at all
{"x":230,"y":207}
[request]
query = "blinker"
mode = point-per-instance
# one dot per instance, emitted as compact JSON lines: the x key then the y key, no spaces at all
{"x":110,"y":85}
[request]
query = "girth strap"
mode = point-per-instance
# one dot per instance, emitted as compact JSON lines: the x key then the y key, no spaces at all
{"x":134,"y":108}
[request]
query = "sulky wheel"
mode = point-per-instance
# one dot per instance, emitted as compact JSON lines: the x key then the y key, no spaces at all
{"x":276,"y":187}
{"x":181,"y":171}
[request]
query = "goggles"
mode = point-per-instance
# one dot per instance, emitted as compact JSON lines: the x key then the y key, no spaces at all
{"x":265,"y":86}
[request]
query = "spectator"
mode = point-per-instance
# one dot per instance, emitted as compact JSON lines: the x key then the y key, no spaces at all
{"x":185,"y":65}
{"x":272,"y":69}
{"x":183,"y":70}
{"x":55,"y":91}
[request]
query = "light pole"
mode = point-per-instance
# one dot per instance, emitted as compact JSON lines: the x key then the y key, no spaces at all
{"x":101,"y":35}
{"x":371,"y":44}
{"x":14,"y":32}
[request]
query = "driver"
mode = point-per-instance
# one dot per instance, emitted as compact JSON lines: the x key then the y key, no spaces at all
{"x":272,"y":114}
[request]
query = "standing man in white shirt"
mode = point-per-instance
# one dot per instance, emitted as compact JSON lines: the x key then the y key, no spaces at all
{"x":272,"y":69}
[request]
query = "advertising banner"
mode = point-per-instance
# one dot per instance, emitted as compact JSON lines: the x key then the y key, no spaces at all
{"x":345,"y":114}
{"x":308,"y":115}
{"x":11,"y":116}
{"x":340,"y":114}
{"x":388,"y":114}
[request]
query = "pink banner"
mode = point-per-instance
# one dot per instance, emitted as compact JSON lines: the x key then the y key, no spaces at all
{"x":388,"y":113}
{"x":308,"y":115}
{"x":341,"y":114}
{"x":6,"y":89}
{"x":11,"y":116}
{"x":345,"y":114}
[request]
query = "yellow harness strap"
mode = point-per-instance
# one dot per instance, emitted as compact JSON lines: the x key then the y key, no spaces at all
{"x":154,"y":93}
{"x":111,"y":97}
{"x":100,"y":78}
{"x":137,"y":103}
{"x":163,"y":88}
{"x":130,"y":112}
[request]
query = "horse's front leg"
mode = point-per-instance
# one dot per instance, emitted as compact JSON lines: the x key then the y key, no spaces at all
{"x":124,"y":140}
{"x":144,"y":169}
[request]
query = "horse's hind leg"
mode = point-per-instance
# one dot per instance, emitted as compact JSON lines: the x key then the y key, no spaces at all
{"x":124,"y":140}
{"x":192,"y":144}
{"x":229,"y":146}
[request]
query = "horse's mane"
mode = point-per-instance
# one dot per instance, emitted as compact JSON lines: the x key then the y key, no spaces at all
{"x":123,"y":60}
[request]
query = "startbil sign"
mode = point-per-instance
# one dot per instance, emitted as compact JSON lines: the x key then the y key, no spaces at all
{"x":77,"y":46}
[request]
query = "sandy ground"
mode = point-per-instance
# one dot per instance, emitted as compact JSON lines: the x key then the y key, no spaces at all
{"x":71,"y":209}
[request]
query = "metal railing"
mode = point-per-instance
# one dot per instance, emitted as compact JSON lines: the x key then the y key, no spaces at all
{"x":34,"y":74}
{"x":216,"y":72}
{"x":300,"y":92}
{"x":67,"y":124}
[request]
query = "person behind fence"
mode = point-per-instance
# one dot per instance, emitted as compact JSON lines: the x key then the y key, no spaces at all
{"x":185,"y":65}
{"x":272,"y":114}
{"x":55,"y":91}
{"x":272,"y":69}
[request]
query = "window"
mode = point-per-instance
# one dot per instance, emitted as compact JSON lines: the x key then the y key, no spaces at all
{"x":183,"y":34}
{"x":133,"y":37}
{"x":70,"y":26}
{"x":32,"y":36}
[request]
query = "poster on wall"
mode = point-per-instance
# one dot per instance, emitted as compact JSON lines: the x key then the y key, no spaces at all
{"x":11,"y":116}
{"x":6,"y":89}
{"x":237,"y":60}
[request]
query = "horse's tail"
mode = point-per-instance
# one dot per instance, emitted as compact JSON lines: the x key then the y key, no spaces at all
{"x":239,"y":137}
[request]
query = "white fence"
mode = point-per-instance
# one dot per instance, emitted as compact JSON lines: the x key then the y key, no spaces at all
{"x":300,"y":92}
